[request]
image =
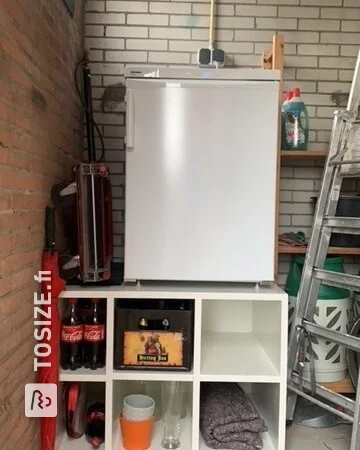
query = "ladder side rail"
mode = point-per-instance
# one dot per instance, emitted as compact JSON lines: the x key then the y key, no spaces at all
{"x":323,"y":245}
{"x":354,"y":96}
{"x":355,"y":435}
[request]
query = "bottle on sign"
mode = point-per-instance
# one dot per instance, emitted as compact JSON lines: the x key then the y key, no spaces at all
{"x":94,"y":338}
{"x":72,"y":334}
{"x":95,"y":424}
{"x":143,"y":324}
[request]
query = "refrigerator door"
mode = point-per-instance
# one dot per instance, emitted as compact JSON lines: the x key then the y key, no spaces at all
{"x":201,"y":167}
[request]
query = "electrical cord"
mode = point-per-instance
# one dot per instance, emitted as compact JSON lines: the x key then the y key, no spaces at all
{"x":78,"y":64}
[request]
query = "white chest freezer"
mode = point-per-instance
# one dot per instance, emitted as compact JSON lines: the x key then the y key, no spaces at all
{"x":201,"y":155}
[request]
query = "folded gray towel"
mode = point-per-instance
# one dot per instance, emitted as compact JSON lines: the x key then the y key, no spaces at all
{"x":228,"y":419}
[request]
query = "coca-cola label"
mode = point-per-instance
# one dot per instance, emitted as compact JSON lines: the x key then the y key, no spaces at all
{"x":94,"y":333}
{"x":72,"y":334}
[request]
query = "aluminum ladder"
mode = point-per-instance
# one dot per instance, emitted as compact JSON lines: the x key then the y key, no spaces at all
{"x":341,"y":162}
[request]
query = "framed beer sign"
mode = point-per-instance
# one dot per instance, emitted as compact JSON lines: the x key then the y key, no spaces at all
{"x":156,"y":338}
{"x":153,"y":348}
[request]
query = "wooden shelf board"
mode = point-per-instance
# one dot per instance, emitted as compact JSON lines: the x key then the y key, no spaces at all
{"x":289,"y":250}
{"x":344,"y":386}
{"x":152,"y":375}
{"x":66,"y":443}
{"x":294,"y":154}
{"x":82,"y":375}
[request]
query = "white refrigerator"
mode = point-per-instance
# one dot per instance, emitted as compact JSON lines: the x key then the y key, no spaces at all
{"x":201,"y":174}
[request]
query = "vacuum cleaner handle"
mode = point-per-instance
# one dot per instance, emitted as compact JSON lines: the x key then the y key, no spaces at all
{"x":89,"y":114}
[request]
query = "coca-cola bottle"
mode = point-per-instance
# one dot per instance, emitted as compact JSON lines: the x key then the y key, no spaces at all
{"x":94,"y":338}
{"x":72,"y":334}
{"x":84,"y":308}
{"x":95,"y":424}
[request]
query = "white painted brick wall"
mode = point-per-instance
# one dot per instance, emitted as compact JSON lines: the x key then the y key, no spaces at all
{"x":298,"y":12}
{"x":127,"y":6}
{"x":128,"y":32}
{"x":170,"y":33}
{"x":92,"y":5}
{"x":170,"y":8}
{"x":104,"y":18}
{"x":322,"y":38}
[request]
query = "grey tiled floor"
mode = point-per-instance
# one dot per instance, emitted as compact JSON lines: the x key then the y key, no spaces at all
{"x":304,"y":438}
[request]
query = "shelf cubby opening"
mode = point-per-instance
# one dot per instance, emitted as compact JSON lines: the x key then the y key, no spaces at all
{"x":83,"y":374}
{"x":266,"y":399}
{"x":152,"y":388}
{"x":240,"y":341}
{"x":153,"y":335}
{"x":95,"y":392}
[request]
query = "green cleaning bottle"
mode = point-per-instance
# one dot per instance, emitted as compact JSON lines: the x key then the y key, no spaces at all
{"x":284,"y":106}
{"x":295,"y":123}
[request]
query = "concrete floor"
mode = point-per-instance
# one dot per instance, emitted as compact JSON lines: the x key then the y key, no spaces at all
{"x":305,"y":438}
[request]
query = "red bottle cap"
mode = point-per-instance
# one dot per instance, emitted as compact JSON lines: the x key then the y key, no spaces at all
{"x":296,"y":92}
{"x":96,"y":442}
{"x":289,"y":95}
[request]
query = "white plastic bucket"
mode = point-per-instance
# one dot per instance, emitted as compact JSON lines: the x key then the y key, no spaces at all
{"x":138,"y":407}
{"x":330,"y":358}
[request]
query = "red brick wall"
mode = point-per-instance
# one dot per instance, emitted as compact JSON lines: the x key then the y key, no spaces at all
{"x":40,"y":139}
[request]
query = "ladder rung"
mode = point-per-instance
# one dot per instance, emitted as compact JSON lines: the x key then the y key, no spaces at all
{"x":325,"y":393}
{"x":349,"y":341}
{"x":346,"y":162}
{"x":322,"y":404}
{"x":346,"y":225}
{"x":342,"y":280}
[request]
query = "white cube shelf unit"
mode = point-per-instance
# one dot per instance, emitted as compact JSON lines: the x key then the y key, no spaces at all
{"x":240,"y":335}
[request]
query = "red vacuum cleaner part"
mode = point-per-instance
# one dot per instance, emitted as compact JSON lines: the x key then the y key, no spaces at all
{"x":74,"y":403}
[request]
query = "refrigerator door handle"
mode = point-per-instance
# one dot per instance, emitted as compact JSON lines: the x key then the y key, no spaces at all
{"x":129,"y":119}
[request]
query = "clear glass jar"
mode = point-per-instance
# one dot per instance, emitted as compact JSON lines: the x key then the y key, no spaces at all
{"x":172,"y":407}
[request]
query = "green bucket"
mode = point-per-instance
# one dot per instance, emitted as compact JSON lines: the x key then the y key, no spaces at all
{"x":335,"y":264}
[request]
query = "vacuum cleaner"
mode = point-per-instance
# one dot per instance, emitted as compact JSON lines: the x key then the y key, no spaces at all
{"x":85,"y":204}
